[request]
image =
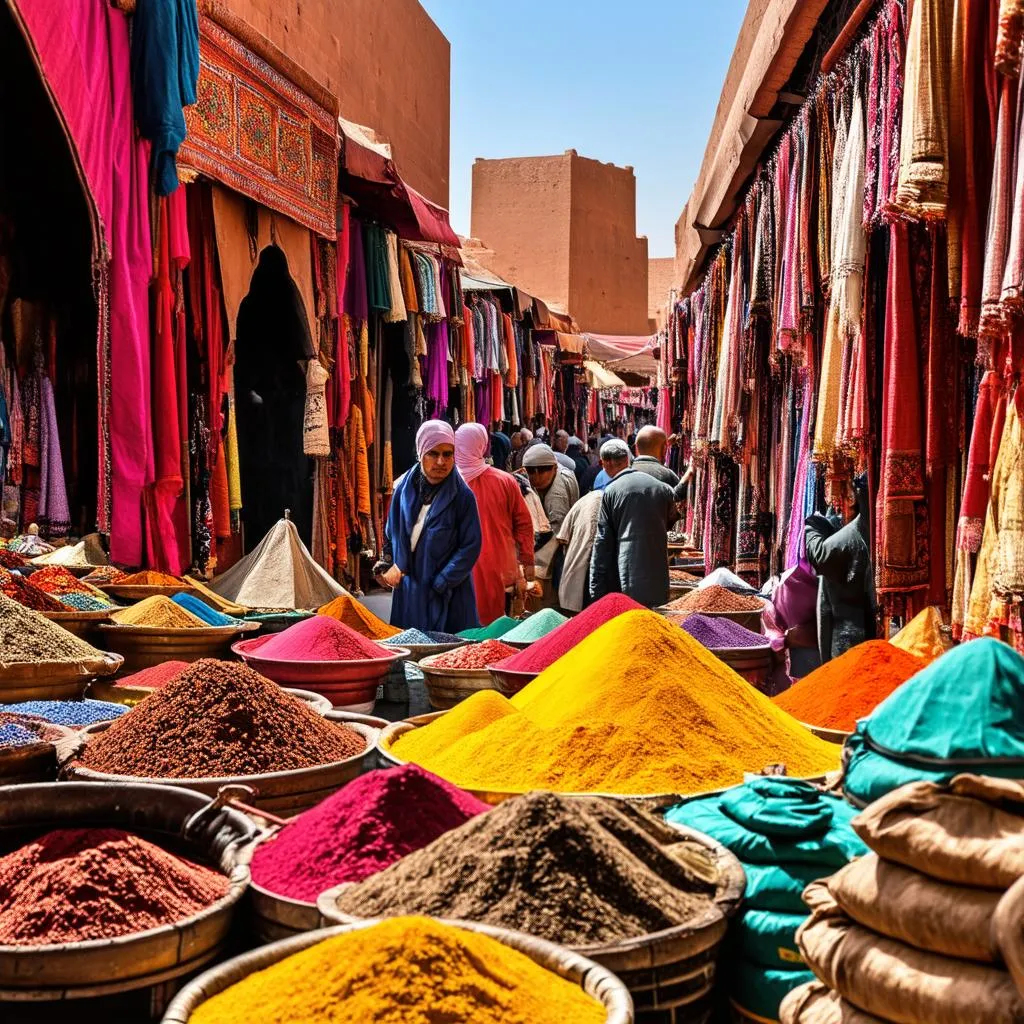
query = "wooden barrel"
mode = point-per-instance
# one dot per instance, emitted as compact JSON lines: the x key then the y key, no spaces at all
{"x":281,"y":793}
{"x":447,"y":687}
{"x":182,"y":821}
{"x":591,"y":977}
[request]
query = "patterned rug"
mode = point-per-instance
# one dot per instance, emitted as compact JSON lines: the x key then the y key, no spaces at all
{"x":257,"y":133}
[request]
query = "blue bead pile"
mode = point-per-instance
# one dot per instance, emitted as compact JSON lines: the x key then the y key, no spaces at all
{"x":418,"y":637}
{"x":86,"y":602}
{"x":69,"y":712}
{"x":12,"y":735}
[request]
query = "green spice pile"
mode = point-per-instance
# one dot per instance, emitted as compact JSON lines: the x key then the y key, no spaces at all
{"x":28,"y":637}
{"x":535,"y":627}
{"x":520,"y":865}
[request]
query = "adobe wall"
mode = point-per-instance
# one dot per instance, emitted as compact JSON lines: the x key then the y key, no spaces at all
{"x":385,"y":60}
{"x":661,"y":279}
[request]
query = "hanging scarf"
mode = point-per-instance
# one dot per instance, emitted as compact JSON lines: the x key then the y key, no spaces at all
{"x":1011,"y":32}
{"x":923,"y":186}
{"x":54,"y":515}
{"x":1012,"y":296}
{"x":397,"y":313}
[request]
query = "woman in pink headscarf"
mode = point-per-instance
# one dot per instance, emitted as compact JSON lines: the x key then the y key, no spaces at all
{"x":505,"y":522}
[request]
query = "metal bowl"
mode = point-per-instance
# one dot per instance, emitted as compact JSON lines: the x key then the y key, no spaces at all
{"x":343,"y":683}
{"x":509,"y":682}
{"x":417,"y":652}
{"x":35,"y":762}
{"x":54,"y":680}
{"x":146,"y":646}
{"x":78,"y":622}
{"x":139,"y":592}
{"x":177,"y":818}
{"x":282,"y":793}
{"x":595,"y":980}
{"x":447,"y":687}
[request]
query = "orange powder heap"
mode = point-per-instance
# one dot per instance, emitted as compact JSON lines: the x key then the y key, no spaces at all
{"x":350,"y":612}
{"x":851,"y":686}
{"x":147,"y":578}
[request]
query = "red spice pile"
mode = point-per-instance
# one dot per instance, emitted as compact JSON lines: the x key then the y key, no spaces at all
{"x":219,"y":718}
{"x":55,"y":579}
{"x":560,"y":641}
{"x":156,"y":677}
{"x":851,"y":686}
{"x":360,"y":830}
{"x":17,"y":588}
{"x":11,"y":559}
{"x":474,"y":655}
{"x":717,"y":599}
{"x":81,"y":884}
{"x":321,"y":638}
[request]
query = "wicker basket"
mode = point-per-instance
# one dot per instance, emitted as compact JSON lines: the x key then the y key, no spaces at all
{"x":281,"y":793}
{"x":591,"y":977}
{"x":53,"y":680}
{"x":176,"y":818}
{"x":672,"y":971}
{"x":447,"y":687}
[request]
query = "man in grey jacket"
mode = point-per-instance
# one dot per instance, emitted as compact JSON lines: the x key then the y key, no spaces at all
{"x":630,"y":551}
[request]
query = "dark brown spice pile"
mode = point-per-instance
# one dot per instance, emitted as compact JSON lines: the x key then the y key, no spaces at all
{"x":717,"y":599}
{"x":578,"y":871}
{"x":27,"y":636}
{"x":219,"y":718}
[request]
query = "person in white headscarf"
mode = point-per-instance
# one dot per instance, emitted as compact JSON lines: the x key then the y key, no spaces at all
{"x":433,"y":533}
{"x":558,"y":492}
{"x":505,"y":524}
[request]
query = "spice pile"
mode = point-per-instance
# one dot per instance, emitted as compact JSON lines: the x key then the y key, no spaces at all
{"x":202,"y":611}
{"x":11,"y":559}
{"x":360,"y":830}
{"x":102,"y":575}
{"x":219,"y":718}
{"x":321,"y":638}
{"x":357,"y":616}
{"x":87,"y":603}
{"x":28,"y":637}
{"x":69,"y":590}
{"x":512,"y":866}
{"x":717,"y":634}
{"x":157,"y":611}
{"x":723,"y":577}
{"x":535,"y":627}
{"x":77,"y":885}
{"x":678,"y":576}
{"x":638,"y":707}
{"x":924,"y":635}
{"x":851,"y":686}
{"x":72,"y":713}
{"x":146,"y":578}
{"x":154,"y":678}
{"x":716,"y":599}
{"x":558,"y":642}
{"x":20,"y":730}
{"x":417,"y":638}
{"x":17,"y":588}
{"x":473,"y":656}
{"x":494,"y":631}
{"x":404,"y":971}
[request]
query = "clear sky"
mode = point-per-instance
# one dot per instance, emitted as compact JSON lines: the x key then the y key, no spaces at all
{"x":632,"y":82}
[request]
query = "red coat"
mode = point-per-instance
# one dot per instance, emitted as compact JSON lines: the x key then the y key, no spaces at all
{"x":507,"y":540}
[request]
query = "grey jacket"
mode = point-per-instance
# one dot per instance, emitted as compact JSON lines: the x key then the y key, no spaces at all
{"x":630,"y":550}
{"x":649,"y":464}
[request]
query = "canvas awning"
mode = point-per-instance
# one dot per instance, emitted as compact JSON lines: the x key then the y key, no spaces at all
{"x":598,"y":377}
{"x":636,"y":353}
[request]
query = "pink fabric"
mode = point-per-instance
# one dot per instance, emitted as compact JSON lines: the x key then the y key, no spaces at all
{"x":472,"y":443}
{"x":82,"y":49}
{"x":432,"y":434}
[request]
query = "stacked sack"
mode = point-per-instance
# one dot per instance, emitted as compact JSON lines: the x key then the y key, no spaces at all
{"x":786,"y":834}
{"x":919,"y":931}
{"x":961,"y":711}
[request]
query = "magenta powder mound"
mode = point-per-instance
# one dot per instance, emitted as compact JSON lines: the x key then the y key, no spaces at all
{"x":717,"y":633}
{"x":321,"y":638}
{"x":360,"y":830}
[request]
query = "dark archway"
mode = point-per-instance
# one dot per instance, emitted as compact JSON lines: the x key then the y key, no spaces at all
{"x":270,"y":392}
{"x":46,"y":260}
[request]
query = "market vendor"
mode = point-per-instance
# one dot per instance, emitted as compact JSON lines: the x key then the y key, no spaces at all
{"x":841,"y":556}
{"x":558,"y":494}
{"x":434,"y":535}
{"x":505,"y":522}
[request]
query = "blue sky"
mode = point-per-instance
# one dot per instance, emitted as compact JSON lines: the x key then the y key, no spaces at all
{"x":633,"y":82}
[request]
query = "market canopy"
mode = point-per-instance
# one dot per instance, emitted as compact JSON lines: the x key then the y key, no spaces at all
{"x":598,"y":377}
{"x":636,"y":353}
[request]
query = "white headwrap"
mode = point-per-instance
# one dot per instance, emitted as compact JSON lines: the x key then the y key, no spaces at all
{"x":432,"y":434}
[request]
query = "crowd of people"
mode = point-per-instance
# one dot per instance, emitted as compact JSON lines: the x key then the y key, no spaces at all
{"x":484,"y":524}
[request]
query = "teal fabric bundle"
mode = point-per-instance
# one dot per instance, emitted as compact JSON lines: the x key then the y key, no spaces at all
{"x":961,"y":712}
{"x":787,"y":834}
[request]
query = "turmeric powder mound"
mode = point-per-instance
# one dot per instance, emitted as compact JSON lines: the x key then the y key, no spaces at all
{"x":348,"y":610}
{"x":158,"y":611}
{"x":409,"y":970}
{"x":923,"y":635}
{"x":637,"y":707}
{"x":486,"y":707}
{"x":147,"y":578}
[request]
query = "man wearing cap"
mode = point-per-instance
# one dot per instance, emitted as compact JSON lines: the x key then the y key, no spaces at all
{"x":630,"y":549}
{"x":579,"y":528}
{"x":433,"y":532}
{"x":558,"y":493}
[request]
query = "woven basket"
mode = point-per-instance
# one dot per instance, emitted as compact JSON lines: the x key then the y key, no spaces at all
{"x":592,"y":978}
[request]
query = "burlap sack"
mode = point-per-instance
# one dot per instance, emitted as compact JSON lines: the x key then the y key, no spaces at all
{"x":899,"y":983}
{"x":970,"y":832}
{"x":913,"y":908}
{"x":816,"y":1004}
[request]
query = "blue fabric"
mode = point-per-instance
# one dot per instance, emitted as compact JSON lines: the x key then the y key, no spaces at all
{"x":436,"y":592}
{"x":601,"y":481}
{"x":165,"y":72}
